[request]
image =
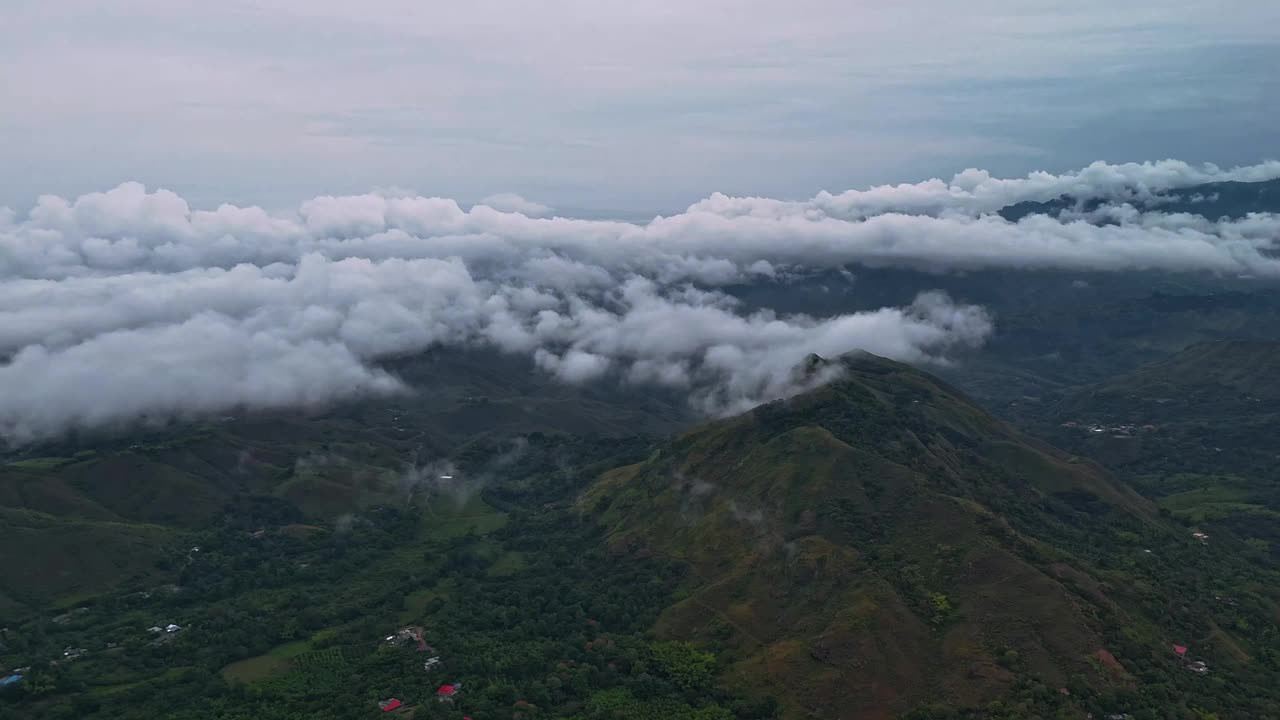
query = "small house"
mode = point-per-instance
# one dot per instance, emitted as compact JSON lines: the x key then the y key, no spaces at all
{"x":431,"y":663}
{"x":447,"y":693}
{"x":155,"y":629}
{"x":390,"y":704}
{"x":10,"y":680}
{"x":171,"y":628}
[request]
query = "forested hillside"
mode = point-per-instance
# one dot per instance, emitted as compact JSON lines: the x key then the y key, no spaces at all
{"x":882,"y":544}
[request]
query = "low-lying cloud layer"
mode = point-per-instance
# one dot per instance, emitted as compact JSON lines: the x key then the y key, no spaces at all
{"x":129,"y":305}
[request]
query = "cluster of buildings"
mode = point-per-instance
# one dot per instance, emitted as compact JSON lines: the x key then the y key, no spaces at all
{"x":1124,"y":430}
{"x":445,"y":694}
{"x":73,"y":653}
{"x":163,"y":634}
{"x":410,"y":636}
{"x":1196,"y":666}
{"x":70,"y":653}
{"x":414,"y":637}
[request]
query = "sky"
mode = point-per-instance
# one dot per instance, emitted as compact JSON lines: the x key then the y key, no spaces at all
{"x":609,"y":108}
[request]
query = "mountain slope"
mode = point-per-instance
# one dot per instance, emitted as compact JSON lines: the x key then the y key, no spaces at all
{"x":1211,"y":408}
{"x":881,"y":542}
{"x":70,"y":558}
{"x":1196,"y":432}
{"x":1228,"y":372}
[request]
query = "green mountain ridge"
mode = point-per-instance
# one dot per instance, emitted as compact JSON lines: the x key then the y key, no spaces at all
{"x":882,"y":542}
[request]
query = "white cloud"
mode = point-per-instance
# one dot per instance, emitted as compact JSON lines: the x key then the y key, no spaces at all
{"x":513,"y":203}
{"x":130,"y":305}
{"x":975,"y":191}
{"x":199,"y":366}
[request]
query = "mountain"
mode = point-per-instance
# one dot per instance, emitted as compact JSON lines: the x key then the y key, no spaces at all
{"x":1213,"y":200}
{"x":882,"y":542}
{"x":1210,"y":408}
{"x":1204,"y":379}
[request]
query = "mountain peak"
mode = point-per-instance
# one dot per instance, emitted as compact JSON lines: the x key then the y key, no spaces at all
{"x":854,"y":535}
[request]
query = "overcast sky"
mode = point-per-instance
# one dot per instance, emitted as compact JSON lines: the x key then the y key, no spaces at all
{"x":608,"y":105}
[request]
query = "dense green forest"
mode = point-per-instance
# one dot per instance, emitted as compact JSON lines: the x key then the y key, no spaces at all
{"x":527,"y":609}
{"x":882,"y":542}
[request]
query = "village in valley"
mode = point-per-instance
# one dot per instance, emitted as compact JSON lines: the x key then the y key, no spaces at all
{"x":1121,"y":430}
{"x":410,"y":638}
{"x":148,"y":638}
{"x":413,"y":638}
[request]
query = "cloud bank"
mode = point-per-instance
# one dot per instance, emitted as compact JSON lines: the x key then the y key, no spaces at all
{"x":513,"y":203}
{"x":128,"y":305}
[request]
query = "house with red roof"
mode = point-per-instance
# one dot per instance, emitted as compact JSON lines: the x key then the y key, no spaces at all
{"x":447,"y":693}
{"x":390,"y":704}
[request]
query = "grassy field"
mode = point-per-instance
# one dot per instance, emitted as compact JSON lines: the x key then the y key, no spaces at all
{"x":508,"y":563}
{"x":1201,"y":497}
{"x":276,"y":661}
{"x":447,"y":519}
{"x":416,"y":603}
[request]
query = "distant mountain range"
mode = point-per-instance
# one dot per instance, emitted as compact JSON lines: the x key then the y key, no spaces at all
{"x":1212,"y":200}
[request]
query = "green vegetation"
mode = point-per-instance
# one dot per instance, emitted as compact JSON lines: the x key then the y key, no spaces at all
{"x":255,"y":668}
{"x":1194,"y":432}
{"x":526,"y":607}
{"x":881,"y":545}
